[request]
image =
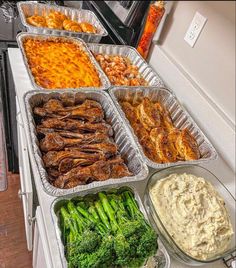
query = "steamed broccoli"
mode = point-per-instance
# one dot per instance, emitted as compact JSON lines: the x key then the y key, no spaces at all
{"x":109,"y":231}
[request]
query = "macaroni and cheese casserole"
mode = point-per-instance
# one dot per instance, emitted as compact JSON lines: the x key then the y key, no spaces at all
{"x":57,"y":64}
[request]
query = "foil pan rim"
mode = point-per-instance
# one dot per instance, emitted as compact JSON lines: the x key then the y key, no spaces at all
{"x":142,"y":208}
{"x":148,"y":161}
{"x":137,"y":56}
{"x":54,"y":191}
{"x":28,"y":26}
{"x":103,"y":78}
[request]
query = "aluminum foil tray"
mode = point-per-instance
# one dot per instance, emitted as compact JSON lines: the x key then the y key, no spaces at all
{"x":145,"y":69}
{"x":179,"y":115}
{"x":22,"y":36}
{"x":160,"y":260}
{"x":30,"y":8}
{"x":122,"y":138}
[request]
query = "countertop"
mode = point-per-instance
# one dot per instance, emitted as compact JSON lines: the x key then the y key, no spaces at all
{"x":23,"y":85}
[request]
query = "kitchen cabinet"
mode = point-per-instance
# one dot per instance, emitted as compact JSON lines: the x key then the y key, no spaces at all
{"x":25,"y":193}
{"x":41,"y":256}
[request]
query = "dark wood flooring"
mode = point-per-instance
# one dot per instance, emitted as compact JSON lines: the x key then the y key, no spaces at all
{"x":13,"y":248}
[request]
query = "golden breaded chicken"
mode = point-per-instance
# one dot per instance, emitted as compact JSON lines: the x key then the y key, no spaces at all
{"x":148,"y":114}
{"x":129,"y":111}
{"x":165,"y":148}
{"x":147,"y":144}
{"x":55,"y":20}
{"x":37,"y":21}
{"x":87,"y":27}
{"x":166,"y":120}
{"x":187,"y":145}
{"x":71,"y":25}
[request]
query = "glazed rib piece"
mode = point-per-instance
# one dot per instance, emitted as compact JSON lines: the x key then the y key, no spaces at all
{"x":89,"y":110}
{"x":75,"y":126}
{"x":99,"y":171}
{"x":53,"y":158}
{"x":118,"y":168}
{"x":56,"y":142}
{"x":107,"y":149}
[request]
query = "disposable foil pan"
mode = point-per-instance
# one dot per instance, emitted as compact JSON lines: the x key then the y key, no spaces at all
{"x":145,"y":69}
{"x":23,"y":36}
{"x":160,"y":260}
{"x":180,"y":117}
{"x":122,"y":138}
{"x":30,"y":8}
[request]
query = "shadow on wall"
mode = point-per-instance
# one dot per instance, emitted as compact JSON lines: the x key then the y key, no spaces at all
{"x":168,"y":23}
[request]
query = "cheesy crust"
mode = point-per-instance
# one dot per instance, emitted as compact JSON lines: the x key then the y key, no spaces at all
{"x":58,"y":64}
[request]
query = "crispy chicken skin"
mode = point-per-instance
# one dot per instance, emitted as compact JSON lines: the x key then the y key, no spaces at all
{"x":76,"y":142}
{"x":71,"y":25}
{"x":161,"y":141}
{"x":187,"y":145}
{"x":148,"y":115}
{"x":165,"y":149}
{"x":36,"y":20}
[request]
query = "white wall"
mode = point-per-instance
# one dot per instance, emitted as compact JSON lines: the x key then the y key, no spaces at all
{"x":211,"y":62}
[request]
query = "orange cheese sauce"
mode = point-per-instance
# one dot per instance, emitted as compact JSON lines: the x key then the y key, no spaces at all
{"x":57,"y":65}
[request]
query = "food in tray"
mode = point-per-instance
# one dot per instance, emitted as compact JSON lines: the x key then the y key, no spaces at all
{"x":120,"y":70}
{"x":37,"y":21}
{"x":58,"y":64}
{"x":71,"y":25}
{"x":58,"y":20}
{"x":76,"y":143}
{"x":162,"y":142}
{"x":87,"y":27}
{"x":55,"y":20}
{"x":106,"y":230}
{"x":194,"y":214}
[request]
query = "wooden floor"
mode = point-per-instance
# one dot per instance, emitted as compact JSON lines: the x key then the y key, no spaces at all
{"x":13,"y":248}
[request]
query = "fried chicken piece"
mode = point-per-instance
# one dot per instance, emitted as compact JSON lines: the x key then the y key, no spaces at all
{"x":90,"y":110}
{"x":147,"y":144}
{"x":166,"y":121}
{"x":187,"y":145}
{"x":148,"y":115}
{"x":53,"y":158}
{"x":71,"y":25}
{"x":87,"y":27}
{"x":129,"y":111}
{"x":99,"y":171}
{"x":56,"y":142}
{"x":165,"y":148}
{"x":36,"y":20}
{"x":55,"y":20}
{"x":73,"y":125}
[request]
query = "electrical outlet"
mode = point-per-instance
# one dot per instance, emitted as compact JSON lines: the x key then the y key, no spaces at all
{"x":195,"y":29}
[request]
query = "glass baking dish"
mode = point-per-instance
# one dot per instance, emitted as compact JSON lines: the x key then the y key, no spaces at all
{"x":164,"y":235}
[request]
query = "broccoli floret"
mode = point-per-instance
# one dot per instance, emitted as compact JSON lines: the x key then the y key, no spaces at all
{"x":100,"y":258}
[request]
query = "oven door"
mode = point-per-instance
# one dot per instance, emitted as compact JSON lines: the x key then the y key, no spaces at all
{"x":7,"y":95}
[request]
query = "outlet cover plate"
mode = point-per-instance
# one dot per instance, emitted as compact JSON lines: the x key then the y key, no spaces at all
{"x":195,"y":29}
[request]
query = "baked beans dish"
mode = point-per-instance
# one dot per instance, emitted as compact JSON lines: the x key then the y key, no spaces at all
{"x":58,"y":64}
{"x":120,"y":70}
